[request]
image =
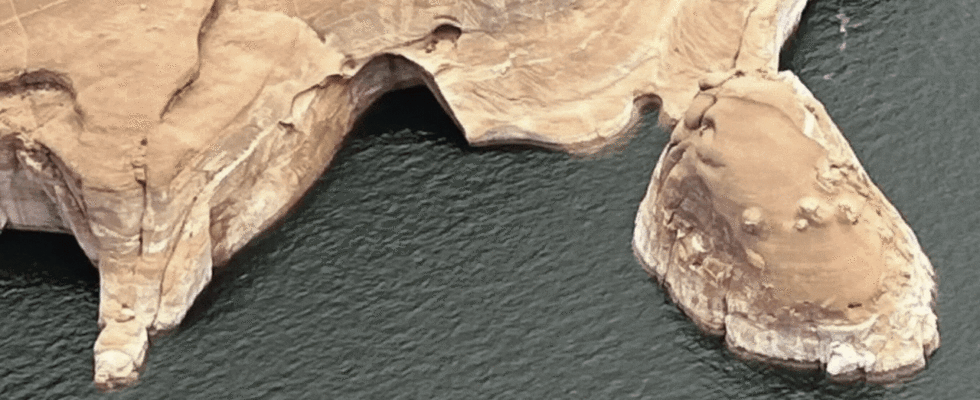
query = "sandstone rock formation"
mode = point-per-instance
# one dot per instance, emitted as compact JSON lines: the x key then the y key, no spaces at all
{"x":764,"y":227}
{"x":165,"y":135}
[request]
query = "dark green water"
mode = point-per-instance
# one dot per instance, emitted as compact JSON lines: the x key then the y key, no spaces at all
{"x":421,"y":268}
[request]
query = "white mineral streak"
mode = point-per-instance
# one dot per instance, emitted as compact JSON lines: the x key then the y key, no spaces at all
{"x":165,"y":136}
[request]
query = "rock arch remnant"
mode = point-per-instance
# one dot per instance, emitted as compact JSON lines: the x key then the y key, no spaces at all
{"x":166,"y":135}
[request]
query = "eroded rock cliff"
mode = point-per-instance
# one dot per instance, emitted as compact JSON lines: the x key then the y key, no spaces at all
{"x":165,"y":135}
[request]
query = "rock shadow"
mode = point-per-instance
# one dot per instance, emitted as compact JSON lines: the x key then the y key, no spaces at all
{"x":41,"y":258}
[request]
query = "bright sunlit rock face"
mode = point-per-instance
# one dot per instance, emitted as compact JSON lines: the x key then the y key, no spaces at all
{"x":166,"y":135}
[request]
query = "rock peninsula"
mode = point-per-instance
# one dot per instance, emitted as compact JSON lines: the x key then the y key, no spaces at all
{"x":165,"y":135}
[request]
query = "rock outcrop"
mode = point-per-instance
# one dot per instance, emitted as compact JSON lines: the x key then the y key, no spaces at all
{"x":165,"y":135}
{"x":764,"y":227}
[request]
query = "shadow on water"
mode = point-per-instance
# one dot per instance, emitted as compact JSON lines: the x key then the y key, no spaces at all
{"x":39,"y":258}
{"x":790,"y":56}
{"x":49,"y":299}
{"x":415,"y":109}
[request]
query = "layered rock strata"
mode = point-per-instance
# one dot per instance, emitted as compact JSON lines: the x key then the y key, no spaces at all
{"x":165,"y":135}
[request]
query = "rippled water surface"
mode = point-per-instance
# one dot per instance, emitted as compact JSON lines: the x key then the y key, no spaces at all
{"x":421,"y":268}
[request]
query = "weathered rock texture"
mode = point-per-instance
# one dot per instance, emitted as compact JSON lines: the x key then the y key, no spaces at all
{"x":764,"y":227}
{"x":166,"y":135}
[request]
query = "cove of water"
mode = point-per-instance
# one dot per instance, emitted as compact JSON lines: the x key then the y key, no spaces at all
{"x":421,"y":268}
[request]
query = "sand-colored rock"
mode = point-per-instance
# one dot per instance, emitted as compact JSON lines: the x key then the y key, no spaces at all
{"x":765,"y":228}
{"x":165,"y":135}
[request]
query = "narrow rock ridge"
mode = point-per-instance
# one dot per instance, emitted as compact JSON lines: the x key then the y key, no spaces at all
{"x":166,"y":135}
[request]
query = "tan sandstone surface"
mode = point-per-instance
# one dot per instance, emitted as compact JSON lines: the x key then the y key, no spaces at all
{"x":165,"y":135}
{"x":765,"y":228}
